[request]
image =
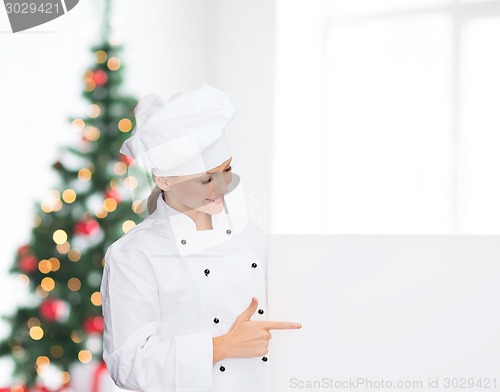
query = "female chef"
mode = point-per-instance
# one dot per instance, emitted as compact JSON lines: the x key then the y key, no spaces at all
{"x":184,"y":294}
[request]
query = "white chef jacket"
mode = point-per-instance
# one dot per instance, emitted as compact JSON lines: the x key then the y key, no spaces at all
{"x":162,"y":309}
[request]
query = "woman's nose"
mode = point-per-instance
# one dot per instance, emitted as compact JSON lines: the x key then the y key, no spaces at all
{"x":218,"y":185}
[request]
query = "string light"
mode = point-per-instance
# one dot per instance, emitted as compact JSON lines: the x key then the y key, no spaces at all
{"x":74,"y":284}
{"x":85,"y":356}
{"x":78,"y":124}
{"x":63,"y":248}
{"x":88,"y":78}
{"x":95,"y":298}
{"x":110,"y":204}
{"x":24,"y":280}
{"x":55,"y":263}
{"x":44,"y":266}
{"x":114,"y":63}
{"x":114,"y":184}
{"x":59,"y":236}
{"x":65,"y":376}
{"x":92,"y":133}
{"x":33,"y":322}
{"x":69,"y":196}
{"x":42,"y":361}
{"x":90,"y":86}
{"x":125,"y":125}
{"x":52,"y":202}
{"x":36,"y":333}
{"x":138,"y":206}
{"x":101,"y":213}
{"x":84,"y":174}
{"x":127,"y":225}
{"x":119,"y":168}
{"x":48,"y":284}
{"x":100,"y":56}
{"x":76,"y":336}
{"x":94,"y":110}
{"x":130,"y":182}
{"x":74,"y":255}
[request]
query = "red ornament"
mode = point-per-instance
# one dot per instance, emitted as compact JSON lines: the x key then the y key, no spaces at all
{"x":113,"y":194}
{"x":28,"y":263}
{"x":126,"y":159}
{"x":100,"y":77}
{"x":23,"y":250}
{"x":94,"y":325}
{"x":87,"y":227}
{"x":53,"y":309}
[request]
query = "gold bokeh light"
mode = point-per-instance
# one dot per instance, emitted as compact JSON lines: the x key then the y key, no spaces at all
{"x":36,"y":333}
{"x":100,"y":56}
{"x":125,"y":125}
{"x":48,"y":284}
{"x":95,"y":298}
{"x":74,"y":284}
{"x":110,"y":204}
{"x":59,"y":236}
{"x":127,"y":225}
{"x":78,"y":124}
{"x":119,"y":168}
{"x":85,"y":356}
{"x":74,"y":255}
{"x":114,"y":63}
{"x":84,"y":174}
{"x":44,"y":266}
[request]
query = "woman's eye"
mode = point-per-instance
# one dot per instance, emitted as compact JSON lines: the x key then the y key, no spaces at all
{"x":210,"y":179}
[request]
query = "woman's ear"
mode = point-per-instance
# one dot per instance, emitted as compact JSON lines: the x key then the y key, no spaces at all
{"x":162,"y":182}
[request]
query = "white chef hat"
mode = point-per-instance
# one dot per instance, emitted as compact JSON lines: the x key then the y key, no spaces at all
{"x":182,"y":136}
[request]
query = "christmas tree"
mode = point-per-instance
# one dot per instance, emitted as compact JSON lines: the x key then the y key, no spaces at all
{"x":61,"y":266}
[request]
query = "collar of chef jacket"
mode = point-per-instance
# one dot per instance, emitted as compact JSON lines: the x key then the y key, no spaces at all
{"x":191,"y":241}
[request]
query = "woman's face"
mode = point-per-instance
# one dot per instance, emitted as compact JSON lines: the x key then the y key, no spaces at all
{"x":203,"y":192}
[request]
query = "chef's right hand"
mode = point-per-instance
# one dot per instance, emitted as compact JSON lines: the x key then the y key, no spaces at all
{"x":247,"y":338}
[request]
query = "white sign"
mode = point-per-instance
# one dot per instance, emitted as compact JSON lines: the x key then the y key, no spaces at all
{"x":385,"y":312}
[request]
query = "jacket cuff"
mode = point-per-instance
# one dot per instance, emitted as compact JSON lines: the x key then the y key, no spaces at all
{"x":194,"y":362}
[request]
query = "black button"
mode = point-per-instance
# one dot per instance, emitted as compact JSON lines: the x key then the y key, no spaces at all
{"x":207,"y":271}
{"x":254,"y":265}
{"x":260,"y":311}
{"x":228,"y":231}
{"x":264,"y":359}
{"x":222,"y":368}
{"x":216,"y":320}
{"x":183,"y":242}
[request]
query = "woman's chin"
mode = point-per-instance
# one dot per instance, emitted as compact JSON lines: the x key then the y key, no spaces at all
{"x":211,"y":207}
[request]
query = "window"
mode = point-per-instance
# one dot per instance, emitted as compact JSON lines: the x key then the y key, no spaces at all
{"x":397,"y":116}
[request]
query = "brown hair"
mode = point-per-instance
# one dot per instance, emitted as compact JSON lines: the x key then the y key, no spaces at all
{"x":153,"y":197}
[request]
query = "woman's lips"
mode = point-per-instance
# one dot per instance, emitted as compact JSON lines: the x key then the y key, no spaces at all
{"x":219,"y":200}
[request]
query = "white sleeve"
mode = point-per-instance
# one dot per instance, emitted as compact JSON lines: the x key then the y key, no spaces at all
{"x":136,"y":358}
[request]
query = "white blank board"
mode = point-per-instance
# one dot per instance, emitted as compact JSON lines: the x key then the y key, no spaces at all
{"x":380,"y":309}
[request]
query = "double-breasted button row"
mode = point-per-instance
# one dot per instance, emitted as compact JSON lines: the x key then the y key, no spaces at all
{"x":216,"y":320}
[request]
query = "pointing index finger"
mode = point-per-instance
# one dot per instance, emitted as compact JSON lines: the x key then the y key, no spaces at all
{"x":281,"y":325}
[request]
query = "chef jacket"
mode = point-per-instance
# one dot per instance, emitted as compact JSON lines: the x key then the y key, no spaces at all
{"x":162,"y":305}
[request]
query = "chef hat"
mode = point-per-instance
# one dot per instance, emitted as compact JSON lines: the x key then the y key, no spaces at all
{"x":182,"y":136}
